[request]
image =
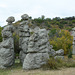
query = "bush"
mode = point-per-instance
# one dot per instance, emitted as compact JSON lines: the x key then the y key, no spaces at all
{"x":0,"y":34}
{"x":51,"y":64}
{"x":62,"y":41}
{"x":73,"y":21}
{"x":70,"y":54}
{"x":58,"y":63}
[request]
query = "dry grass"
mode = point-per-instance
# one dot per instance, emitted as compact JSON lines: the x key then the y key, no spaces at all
{"x":17,"y":70}
{"x":66,"y":71}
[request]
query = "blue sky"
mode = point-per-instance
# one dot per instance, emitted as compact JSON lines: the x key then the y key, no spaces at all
{"x":35,"y":8}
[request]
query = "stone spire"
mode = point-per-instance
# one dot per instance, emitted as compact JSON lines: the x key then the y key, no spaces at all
{"x":24,"y":35}
{"x":7,"y":45}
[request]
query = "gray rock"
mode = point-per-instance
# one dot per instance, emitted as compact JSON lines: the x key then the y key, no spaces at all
{"x":60,"y":52}
{"x":59,"y":57}
{"x":25,"y":17}
{"x":36,"y":29}
{"x":24,"y":34}
{"x":73,"y":51}
{"x":35,"y":60}
{"x":6,"y":34}
{"x":7,"y":53}
{"x":52,"y":52}
{"x":10,"y":20}
{"x":73,"y":34}
{"x":9,"y":28}
{"x":22,"y":56}
{"x":7,"y":46}
{"x":7,"y":43}
{"x":38,"y":49}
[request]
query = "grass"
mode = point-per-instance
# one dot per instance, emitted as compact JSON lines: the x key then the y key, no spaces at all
{"x":67,"y":69}
{"x":16,"y":66}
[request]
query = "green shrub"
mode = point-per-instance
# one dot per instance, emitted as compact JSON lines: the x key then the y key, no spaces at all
{"x":62,"y":40}
{"x":70,"y":54}
{"x":52,"y":63}
{"x":58,"y":63}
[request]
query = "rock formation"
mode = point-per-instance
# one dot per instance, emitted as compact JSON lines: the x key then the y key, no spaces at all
{"x":59,"y":54}
{"x":34,"y":49}
{"x":7,"y":45}
{"x":24,"y":35}
{"x":38,"y":49}
{"x":73,"y":34}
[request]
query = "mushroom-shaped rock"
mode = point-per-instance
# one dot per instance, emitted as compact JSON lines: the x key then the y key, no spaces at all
{"x":25,"y":17}
{"x":10,"y":19}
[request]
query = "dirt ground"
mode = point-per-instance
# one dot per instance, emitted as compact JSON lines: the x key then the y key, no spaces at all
{"x":65,"y":71}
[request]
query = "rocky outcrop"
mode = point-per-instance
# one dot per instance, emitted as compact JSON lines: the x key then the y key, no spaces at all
{"x":24,"y":35}
{"x":60,"y":52}
{"x":7,"y":45}
{"x":73,"y":34}
{"x":52,"y":52}
{"x":38,"y":49}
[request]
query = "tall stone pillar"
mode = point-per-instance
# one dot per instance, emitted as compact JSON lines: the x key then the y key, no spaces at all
{"x":24,"y":35}
{"x":7,"y":45}
{"x":73,"y":34}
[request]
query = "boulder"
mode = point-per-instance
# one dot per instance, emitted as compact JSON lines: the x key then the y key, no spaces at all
{"x":35,"y":60}
{"x":52,"y":52}
{"x":59,"y":57}
{"x":22,"y":56}
{"x":38,"y":50}
{"x":60,"y":52}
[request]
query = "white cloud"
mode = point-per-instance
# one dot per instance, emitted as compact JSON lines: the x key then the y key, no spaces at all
{"x":2,"y":6}
{"x":36,"y":8}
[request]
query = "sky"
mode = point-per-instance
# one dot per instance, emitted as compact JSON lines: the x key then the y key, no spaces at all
{"x":36,"y":8}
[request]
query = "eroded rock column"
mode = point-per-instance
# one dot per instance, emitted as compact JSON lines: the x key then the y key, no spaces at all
{"x":24,"y":35}
{"x":7,"y":45}
{"x":73,"y":34}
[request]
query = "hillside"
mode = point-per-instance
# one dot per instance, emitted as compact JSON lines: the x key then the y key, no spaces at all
{"x":63,"y":23}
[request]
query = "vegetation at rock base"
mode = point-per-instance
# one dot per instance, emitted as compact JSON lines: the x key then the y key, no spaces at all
{"x":58,"y":63}
{"x":54,"y":65}
{"x":0,"y":34}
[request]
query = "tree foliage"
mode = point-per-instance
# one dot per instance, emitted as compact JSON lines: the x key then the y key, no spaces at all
{"x":16,"y":43}
{"x":62,"y":40}
{"x":0,"y":34}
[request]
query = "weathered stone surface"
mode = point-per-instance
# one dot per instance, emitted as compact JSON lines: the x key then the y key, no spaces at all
{"x":22,"y":56}
{"x":24,"y":35}
{"x":38,"y":42}
{"x":59,"y":57}
{"x":6,"y":34}
{"x":73,"y":34}
{"x":7,"y":43}
{"x":7,"y":46}
{"x":38,"y":50}
{"x":35,"y":60}
{"x":60,"y":52}
{"x":52,"y":52}
{"x":25,"y":17}
{"x":10,"y":20}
